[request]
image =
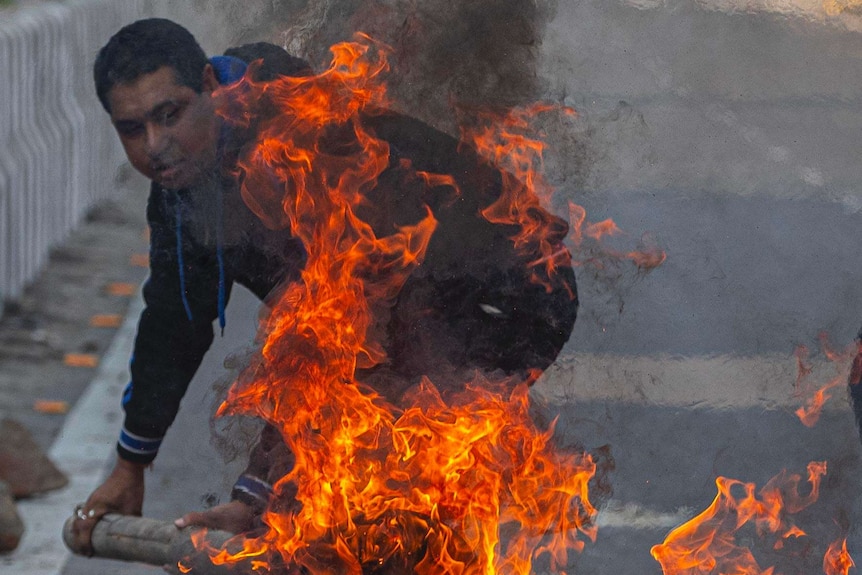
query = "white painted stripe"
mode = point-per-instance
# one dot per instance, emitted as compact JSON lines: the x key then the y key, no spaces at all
{"x":82,"y":450}
{"x":617,"y":514}
{"x":141,"y":438}
{"x":718,"y":382}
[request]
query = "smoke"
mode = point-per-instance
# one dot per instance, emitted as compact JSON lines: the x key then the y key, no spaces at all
{"x":478,"y":53}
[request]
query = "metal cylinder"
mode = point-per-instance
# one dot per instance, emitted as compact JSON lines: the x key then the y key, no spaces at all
{"x":144,"y":540}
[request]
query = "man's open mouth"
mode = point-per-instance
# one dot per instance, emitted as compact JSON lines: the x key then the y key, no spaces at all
{"x":168,"y":172}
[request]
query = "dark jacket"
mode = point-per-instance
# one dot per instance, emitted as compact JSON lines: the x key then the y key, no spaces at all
{"x":175,"y":332}
{"x":476,"y":302}
{"x":200,"y":244}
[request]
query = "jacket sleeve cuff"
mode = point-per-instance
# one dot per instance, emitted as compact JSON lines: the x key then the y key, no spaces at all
{"x":136,"y":448}
{"x":252,"y":491}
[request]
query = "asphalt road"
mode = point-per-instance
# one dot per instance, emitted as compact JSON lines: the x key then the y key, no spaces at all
{"x":673,"y":403}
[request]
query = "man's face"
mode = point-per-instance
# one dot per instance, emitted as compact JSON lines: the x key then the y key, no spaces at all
{"x":169,"y":131}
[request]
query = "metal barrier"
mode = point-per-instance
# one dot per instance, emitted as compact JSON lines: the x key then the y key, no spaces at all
{"x":58,"y":152}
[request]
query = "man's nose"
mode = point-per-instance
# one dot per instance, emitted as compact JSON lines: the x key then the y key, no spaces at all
{"x":157,"y":139}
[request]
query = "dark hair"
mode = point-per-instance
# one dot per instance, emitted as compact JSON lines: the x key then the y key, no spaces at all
{"x":142,"y":48}
{"x":276,"y":61}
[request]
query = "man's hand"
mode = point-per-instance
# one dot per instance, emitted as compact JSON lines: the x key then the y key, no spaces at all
{"x":122,"y":492}
{"x":234,"y":517}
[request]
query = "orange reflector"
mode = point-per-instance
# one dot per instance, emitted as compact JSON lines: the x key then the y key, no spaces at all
{"x":51,"y":406}
{"x":140,"y":260}
{"x":120,"y":288}
{"x":81,"y":360}
{"x":106,"y":320}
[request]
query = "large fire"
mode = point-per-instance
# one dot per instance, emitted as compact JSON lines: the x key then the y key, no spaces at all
{"x":456,"y":480}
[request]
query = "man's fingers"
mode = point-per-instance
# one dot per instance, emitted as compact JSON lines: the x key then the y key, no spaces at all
{"x":234,"y":517}
{"x":196,"y":519}
{"x":82,"y":528}
{"x":83,"y":532}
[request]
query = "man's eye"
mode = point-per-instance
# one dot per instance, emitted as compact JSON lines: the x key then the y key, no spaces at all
{"x":169,"y":117}
{"x":130,"y":130}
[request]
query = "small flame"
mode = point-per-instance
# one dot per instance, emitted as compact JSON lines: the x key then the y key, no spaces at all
{"x":504,"y":140}
{"x":837,"y":560}
{"x":814,"y":395}
{"x":707,"y":543}
{"x":647,"y":257}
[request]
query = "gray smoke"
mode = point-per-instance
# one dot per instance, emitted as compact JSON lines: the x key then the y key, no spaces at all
{"x":478,"y":53}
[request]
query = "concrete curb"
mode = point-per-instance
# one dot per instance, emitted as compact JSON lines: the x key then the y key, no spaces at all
{"x":83,"y":450}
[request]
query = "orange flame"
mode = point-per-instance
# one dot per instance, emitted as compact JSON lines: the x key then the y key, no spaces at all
{"x":837,"y":560}
{"x":506,"y":140}
{"x":435,"y":483}
{"x":815,"y":396}
{"x":836,"y":7}
{"x":647,"y":257}
{"x":707,"y":543}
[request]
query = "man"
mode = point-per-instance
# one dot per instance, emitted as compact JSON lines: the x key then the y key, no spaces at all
{"x":157,"y":84}
{"x":473,"y":303}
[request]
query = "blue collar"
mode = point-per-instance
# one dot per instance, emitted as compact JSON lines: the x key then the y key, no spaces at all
{"x":228,"y":69}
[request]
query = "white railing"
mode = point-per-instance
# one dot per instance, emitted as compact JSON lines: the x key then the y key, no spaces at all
{"x":58,"y":152}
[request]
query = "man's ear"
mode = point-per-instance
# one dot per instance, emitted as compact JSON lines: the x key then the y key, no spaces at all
{"x":210,"y":82}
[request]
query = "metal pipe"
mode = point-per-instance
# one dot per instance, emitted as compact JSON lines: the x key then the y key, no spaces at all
{"x":150,"y":541}
{"x":161,"y":544}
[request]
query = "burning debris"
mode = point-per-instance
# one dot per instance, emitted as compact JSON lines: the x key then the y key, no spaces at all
{"x":741,"y":521}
